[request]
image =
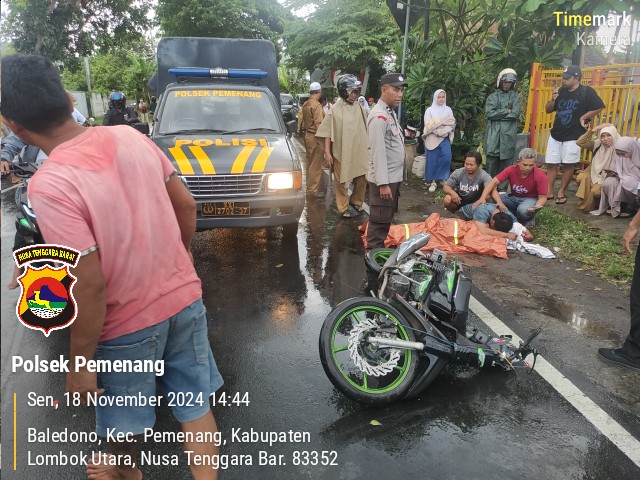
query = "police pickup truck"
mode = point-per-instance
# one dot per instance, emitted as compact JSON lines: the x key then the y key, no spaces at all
{"x":218,"y":120}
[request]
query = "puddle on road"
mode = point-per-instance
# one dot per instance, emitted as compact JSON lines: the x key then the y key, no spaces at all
{"x":557,"y":308}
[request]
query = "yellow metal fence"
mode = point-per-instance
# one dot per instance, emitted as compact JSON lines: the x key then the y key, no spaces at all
{"x":617,"y":85}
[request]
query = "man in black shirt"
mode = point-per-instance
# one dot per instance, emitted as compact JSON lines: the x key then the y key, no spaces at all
{"x":119,"y":113}
{"x":575,"y":105}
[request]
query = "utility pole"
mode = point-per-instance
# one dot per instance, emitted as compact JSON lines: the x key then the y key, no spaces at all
{"x":87,"y":71}
{"x":404,"y":52}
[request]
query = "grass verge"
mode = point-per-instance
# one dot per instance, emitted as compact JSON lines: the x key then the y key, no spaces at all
{"x":597,"y":250}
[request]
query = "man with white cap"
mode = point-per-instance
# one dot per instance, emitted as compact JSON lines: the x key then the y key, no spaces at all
{"x":312,"y":115}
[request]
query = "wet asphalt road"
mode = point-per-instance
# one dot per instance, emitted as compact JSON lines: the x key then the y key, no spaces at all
{"x":266,"y":300}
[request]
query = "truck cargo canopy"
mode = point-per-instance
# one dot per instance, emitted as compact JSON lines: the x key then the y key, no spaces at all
{"x":215,"y":53}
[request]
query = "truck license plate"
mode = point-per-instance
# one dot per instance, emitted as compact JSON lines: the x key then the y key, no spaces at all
{"x":225,"y":209}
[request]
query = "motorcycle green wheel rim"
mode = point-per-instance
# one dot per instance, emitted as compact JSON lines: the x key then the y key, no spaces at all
{"x":402,"y":334}
{"x":382,"y":256}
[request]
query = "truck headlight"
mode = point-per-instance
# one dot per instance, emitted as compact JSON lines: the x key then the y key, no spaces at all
{"x":280,"y":181}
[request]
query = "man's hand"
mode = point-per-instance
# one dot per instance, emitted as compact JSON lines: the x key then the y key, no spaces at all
{"x":4,"y":167}
{"x":385,"y":192}
{"x":503,"y":208}
{"x":328,"y":160}
{"x":585,"y":122}
{"x":477,"y":203}
{"x":455,"y":198}
{"x":83,"y":382}
{"x":631,"y":233}
{"x":512,"y":236}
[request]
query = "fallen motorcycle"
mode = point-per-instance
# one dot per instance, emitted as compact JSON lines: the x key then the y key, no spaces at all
{"x":377,"y":350}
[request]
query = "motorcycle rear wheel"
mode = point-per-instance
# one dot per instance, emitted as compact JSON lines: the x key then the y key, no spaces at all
{"x":375,"y":259}
{"x":335,"y":353}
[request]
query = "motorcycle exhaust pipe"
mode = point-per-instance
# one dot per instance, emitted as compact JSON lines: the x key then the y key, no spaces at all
{"x":394,"y":342}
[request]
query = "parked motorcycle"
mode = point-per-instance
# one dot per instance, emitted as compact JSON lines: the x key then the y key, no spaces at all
{"x":377,"y":350}
{"x":410,"y":134}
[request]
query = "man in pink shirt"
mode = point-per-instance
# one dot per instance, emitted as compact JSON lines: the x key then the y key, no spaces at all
{"x":114,"y":196}
{"x":528,"y":188}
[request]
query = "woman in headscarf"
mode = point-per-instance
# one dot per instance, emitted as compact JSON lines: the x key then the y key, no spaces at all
{"x":590,"y":179}
{"x":439,"y":126}
{"x":365,"y":105}
{"x":623,"y":179}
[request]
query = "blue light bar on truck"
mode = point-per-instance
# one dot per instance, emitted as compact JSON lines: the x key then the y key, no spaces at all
{"x":218,"y":72}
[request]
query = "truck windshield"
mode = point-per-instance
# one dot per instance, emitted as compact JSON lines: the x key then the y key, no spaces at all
{"x":218,"y":110}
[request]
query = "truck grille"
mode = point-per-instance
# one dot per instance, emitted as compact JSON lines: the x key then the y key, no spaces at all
{"x":224,"y":185}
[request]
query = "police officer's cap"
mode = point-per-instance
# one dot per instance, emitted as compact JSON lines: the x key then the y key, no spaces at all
{"x":393,"y":79}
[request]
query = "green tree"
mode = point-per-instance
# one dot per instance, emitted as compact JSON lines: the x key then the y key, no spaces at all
{"x":118,"y":70}
{"x":137,"y":74}
{"x":66,"y":28}
{"x":291,"y":79}
{"x":343,"y":35}
{"x":263,"y":19}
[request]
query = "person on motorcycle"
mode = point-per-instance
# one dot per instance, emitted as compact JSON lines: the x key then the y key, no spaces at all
{"x":119,"y":113}
{"x":12,"y":145}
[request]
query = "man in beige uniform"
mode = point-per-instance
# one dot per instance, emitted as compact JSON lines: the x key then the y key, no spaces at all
{"x":312,"y":116}
{"x":346,"y":150}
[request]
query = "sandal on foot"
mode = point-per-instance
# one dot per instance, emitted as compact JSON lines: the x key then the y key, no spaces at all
{"x":357,"y":208}
{"x":561,"y":200}
{"x":350,"y":212}
{"x":624,"y":215}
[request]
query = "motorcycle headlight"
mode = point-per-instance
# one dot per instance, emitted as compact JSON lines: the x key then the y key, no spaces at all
{"x":280,"y":181}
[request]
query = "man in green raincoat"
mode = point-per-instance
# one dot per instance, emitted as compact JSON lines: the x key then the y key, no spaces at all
{"x":502,"y":110}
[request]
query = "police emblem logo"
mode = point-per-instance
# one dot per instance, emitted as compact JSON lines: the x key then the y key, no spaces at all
{"x":46,"y":300}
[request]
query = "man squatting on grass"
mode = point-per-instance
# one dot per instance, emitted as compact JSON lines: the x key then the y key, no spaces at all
{"x":79,"y":194}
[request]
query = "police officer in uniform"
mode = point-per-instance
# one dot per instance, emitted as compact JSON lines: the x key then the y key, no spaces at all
{"x":312,"y":116}
{"x":386,"y":167}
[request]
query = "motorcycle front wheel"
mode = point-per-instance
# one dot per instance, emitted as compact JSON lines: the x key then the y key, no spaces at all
{"x":366,"y":374}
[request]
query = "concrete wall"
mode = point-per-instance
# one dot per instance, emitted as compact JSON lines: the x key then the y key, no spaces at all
{"x":99,"y":103}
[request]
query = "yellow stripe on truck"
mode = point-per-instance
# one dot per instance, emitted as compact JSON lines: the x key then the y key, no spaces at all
{"x":261,"y":160}
{"x":203,"y":160}
{"x":241,"y":160}
{"x":181,"y":159}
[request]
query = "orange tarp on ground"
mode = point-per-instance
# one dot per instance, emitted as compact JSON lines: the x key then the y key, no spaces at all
{"x":450,"y":235}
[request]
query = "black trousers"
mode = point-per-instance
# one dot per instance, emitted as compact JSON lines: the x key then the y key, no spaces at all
{"x":381,"y":214}
{"x":631,"y":347}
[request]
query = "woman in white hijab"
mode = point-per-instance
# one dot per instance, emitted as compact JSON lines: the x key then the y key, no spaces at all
{"x":364,"y":104}
{"x":623,"y":179}
{"x":439,"y":126}
{"x":590,"y":179}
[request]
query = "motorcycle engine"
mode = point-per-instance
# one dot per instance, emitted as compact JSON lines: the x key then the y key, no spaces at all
{"x":397,"y":284}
